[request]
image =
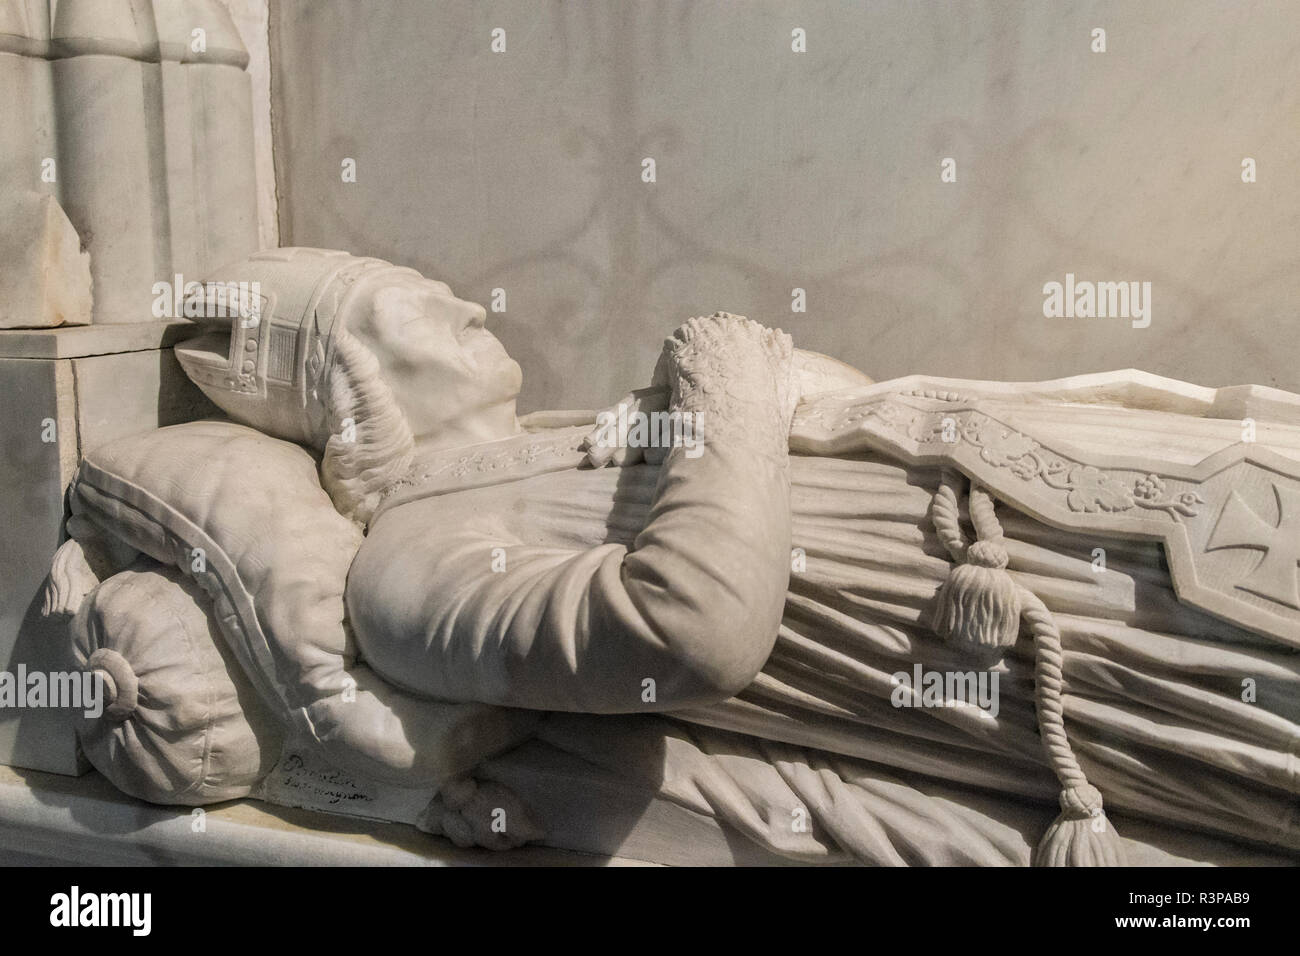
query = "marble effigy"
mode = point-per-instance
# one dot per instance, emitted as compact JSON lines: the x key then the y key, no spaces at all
{"x":760,"y":609}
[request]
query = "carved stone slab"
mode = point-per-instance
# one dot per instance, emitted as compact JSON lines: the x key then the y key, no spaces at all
{"x":1230,"y":523}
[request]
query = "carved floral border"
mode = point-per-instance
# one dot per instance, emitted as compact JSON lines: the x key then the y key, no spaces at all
{"x":1087,"y":488}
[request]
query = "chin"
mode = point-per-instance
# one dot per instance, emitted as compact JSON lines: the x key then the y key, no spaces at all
{"x":502,"y":382}
{"x":515,"y":375}
{"x":496,"y":408}
{"x":494,"y":368}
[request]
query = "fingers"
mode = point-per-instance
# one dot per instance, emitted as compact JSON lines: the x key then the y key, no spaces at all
{"x":662,"y":377}
{"x":653,"y":399}
{"x":727,"y":338}
{"x":625,"y":457}
{"x":655,"y":454}
{"x":606,"y":444}
{"x":782,"y":342}
{"x":652,"y":402}
{"x":600,"y":447}
{"x":602,"y":441}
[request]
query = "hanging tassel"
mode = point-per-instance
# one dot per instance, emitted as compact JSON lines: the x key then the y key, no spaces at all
{"x":1081,"y":835}
{"x":979,"y":605}
{"x":980,"y":608}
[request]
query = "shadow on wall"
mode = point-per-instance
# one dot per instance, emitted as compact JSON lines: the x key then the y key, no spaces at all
{"x":596,"y":172}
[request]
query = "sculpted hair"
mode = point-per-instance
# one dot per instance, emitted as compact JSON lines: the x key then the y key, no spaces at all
{"x":370,"y":443}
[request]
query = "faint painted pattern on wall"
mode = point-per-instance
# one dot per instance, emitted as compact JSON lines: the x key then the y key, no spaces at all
{"x":818,"y":170}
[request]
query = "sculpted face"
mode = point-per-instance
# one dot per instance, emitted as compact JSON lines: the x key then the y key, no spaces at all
{"x":449,"y":374}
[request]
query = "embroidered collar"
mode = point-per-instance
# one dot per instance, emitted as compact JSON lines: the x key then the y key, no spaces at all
{"x":489,"y":463}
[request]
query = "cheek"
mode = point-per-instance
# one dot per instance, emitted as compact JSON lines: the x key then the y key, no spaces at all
{"x":429,"y":352}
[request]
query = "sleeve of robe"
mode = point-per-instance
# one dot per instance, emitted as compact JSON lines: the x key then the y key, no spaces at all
{"x":687,"y":615}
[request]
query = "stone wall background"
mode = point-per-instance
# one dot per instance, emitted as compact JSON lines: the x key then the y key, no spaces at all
{"x":250,"y":18}
{"x":522,"y":170}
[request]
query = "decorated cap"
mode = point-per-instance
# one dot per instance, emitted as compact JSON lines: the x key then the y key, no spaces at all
{"x":269,"y":348}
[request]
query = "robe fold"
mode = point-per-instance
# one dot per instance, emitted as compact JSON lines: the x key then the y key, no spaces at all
{"x":515,"y":577}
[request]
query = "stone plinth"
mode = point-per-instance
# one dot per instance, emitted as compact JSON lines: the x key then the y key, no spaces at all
{"x":66,"y":390}
{"x":47,"y":818}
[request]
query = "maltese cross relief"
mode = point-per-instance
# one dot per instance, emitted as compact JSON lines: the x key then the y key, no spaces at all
{"x":1277,"y":575}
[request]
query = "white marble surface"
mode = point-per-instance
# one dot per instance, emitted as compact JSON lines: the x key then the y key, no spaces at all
{"x":250,"y":17}
{"x":46,"y":818}
{"x":78,"y":341}
{"x":144,"y":138}
{"x":94,"y":383}
{"x":821,"y":170}
{"x":46,"y":277}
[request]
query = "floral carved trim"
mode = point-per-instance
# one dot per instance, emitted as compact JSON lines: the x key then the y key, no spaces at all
{"x":504,"y":458}
{"x":1087,"y":489}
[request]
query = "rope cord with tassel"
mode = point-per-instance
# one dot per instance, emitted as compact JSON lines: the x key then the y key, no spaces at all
{"x":980,"y":608}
